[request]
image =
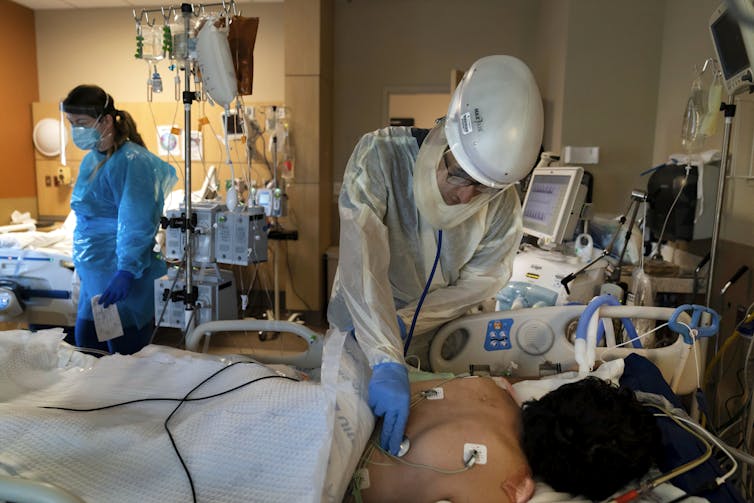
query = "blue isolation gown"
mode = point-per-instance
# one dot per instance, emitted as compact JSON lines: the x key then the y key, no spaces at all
{"x":118,"y":208}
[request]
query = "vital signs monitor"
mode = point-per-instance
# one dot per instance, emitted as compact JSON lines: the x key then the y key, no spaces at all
{"x":553,"y":203}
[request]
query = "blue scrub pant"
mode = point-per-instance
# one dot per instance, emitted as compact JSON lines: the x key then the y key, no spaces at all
{"x":132,"y":340}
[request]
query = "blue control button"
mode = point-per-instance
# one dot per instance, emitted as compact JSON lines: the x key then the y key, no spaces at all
{"x":498,"y":335}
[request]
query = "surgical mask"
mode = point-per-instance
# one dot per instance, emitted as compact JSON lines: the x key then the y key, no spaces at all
{"x":86,"y":138}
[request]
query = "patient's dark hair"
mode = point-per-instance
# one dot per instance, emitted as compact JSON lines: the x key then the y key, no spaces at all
{"x":589,"y":438}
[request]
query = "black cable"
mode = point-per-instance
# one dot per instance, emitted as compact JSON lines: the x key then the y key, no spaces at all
{"x":181,"y":401}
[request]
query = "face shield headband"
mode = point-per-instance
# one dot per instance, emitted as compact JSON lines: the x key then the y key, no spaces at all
{"x":90,"y":110}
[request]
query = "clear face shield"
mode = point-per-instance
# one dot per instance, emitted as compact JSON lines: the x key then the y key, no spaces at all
{"x":431,"y":158}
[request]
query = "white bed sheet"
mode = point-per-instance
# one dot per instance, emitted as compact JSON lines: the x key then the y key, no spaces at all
{"x":58,"y":241}
{"x":273,"y":440}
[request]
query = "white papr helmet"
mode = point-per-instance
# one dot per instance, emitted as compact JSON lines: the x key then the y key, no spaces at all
{"x":495,"y":120}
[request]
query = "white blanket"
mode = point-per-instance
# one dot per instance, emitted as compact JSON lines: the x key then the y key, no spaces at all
{"x":267,"y":441}
{"x":59,"y":240}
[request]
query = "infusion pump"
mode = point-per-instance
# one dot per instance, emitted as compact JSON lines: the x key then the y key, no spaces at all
{"x":218,"y":235}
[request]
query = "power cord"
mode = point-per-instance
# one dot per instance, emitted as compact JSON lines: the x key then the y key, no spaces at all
{"x":658,"y":255}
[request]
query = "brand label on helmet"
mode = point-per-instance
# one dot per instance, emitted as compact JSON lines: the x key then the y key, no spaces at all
{"x":478,"y":120}
{"x":466,"y":123}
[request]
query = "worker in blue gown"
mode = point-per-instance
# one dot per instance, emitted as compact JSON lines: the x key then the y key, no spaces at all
{"x":118,"y":200}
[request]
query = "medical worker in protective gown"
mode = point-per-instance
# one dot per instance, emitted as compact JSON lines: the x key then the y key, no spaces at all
{"x":409,"y":196}
{"x":118,"y":199}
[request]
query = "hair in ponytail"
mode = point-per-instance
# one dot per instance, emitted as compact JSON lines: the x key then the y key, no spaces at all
{"x":124,"y":129}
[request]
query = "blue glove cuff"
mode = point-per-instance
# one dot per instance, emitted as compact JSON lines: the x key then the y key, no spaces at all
{"x":389,"y":367}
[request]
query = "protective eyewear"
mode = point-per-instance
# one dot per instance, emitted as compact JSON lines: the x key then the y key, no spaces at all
{"x":455,"y":175}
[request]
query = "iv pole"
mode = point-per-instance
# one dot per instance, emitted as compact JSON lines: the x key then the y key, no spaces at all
{"x":729,"y":109}
{"x":187,"y":220}
{"x":188,"y":98}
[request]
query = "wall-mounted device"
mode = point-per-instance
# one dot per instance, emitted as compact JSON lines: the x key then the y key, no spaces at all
{"x":233,"y":125}
{"x":273,"y":201}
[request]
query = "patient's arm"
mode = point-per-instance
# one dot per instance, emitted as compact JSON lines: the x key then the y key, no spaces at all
{"x":474,"y":410}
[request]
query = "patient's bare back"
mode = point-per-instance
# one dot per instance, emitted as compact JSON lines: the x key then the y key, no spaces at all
{"x":449,"y":423}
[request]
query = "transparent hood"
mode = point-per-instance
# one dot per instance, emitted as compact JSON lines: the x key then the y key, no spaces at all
{"x":427,"y":194}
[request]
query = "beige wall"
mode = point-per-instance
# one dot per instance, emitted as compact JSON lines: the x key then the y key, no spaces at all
{"x":548,"y":64}
{"x":98,"y":45}
{"x":424,"y":108}
{"x":611,"y":72}
{"x":598,"y":88}
{"x":413,"y":43}
{"x":686,"y":43}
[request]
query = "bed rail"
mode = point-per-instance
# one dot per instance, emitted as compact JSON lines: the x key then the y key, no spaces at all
{"x":309,"y":358}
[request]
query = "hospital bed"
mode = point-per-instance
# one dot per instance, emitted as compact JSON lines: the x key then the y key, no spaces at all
{"x":37,"y":279}
{"x":273,"y":440}
{"x":282,"y":433}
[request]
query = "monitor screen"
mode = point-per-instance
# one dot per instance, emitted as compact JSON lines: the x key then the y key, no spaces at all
{"x":730,"y":44}
{"x":550,"y":201}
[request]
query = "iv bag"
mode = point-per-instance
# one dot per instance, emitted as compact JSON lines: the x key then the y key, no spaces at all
{"x":215,"y":62}
{"x":285,"y":148}
{"x":711,"y":119}
{"x":692,"y":138}
{"x":153,"y":43}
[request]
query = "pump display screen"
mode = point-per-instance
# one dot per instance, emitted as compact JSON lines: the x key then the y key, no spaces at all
{"x":263,"y":198}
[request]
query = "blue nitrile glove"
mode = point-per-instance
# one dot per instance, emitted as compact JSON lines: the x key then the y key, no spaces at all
{"x":117,"y":289}
{"x":402,"y":328}
{"x":389,"y":397}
